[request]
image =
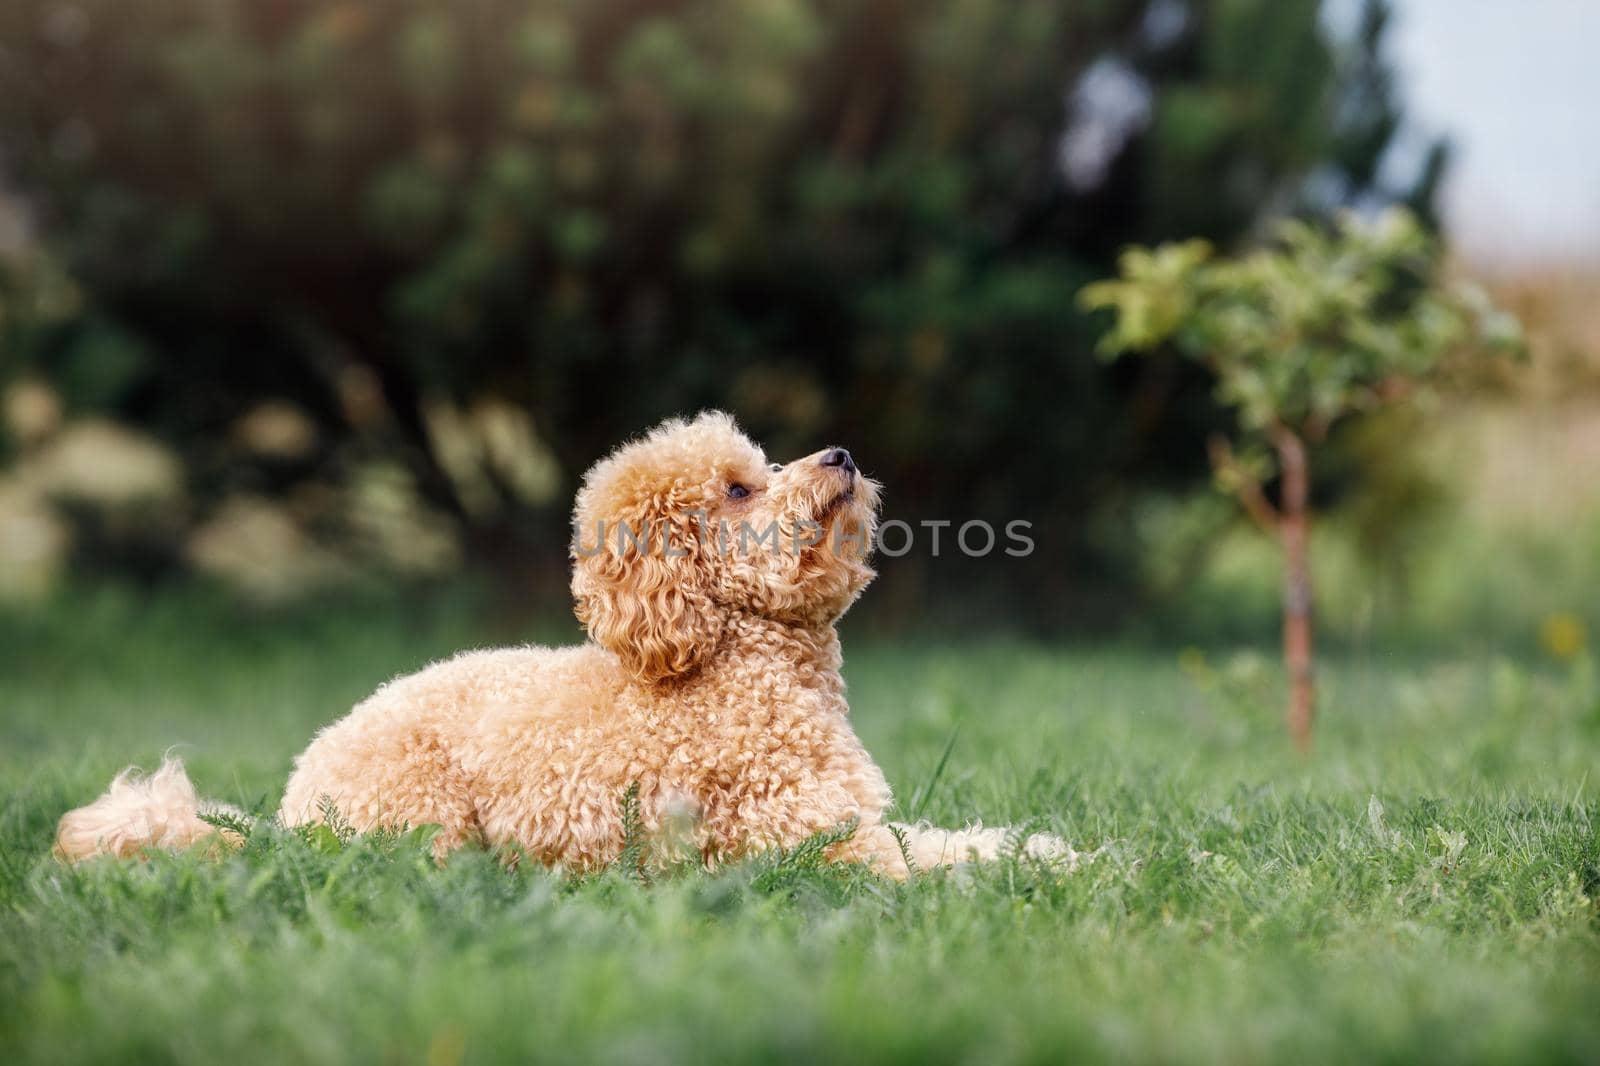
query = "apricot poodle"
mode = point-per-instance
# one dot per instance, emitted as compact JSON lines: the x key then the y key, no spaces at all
{"x":709,"y":582}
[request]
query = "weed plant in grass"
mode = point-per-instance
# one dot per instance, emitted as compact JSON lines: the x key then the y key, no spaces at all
{"x":1423,"y":887}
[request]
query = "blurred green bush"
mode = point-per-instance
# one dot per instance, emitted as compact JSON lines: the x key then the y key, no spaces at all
{"x":472,"y":246}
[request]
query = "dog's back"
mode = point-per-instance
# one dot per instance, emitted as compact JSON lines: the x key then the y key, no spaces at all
{"x":409,"y":754}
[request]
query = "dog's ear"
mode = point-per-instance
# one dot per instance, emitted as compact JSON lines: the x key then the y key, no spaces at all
{"x":643,"y":591}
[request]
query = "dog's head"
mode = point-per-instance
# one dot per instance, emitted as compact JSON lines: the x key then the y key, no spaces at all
{"x":674,"y":532}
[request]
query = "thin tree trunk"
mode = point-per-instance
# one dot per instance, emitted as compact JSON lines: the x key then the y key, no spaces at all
{"x":1293,"y":530}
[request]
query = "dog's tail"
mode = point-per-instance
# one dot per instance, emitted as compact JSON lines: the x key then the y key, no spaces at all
{"x":136,"y":812}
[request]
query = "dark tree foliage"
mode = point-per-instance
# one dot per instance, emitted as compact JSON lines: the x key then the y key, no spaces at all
{"x":853,"y":221}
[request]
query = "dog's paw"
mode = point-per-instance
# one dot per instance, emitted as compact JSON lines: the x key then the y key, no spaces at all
{"x":1047,"y":847}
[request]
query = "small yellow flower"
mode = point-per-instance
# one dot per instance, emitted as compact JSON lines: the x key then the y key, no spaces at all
{"x":1192,"y":661}
{"x":1563,"y":635}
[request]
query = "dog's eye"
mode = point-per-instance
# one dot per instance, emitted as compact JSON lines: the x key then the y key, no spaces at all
{"x":737,"y":491}
{"x":776,"y":468}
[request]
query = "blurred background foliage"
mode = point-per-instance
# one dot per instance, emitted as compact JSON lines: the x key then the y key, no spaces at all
{"x":295,"y":291}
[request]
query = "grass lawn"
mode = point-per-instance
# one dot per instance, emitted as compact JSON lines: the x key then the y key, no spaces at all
{"x":1424,"y":887}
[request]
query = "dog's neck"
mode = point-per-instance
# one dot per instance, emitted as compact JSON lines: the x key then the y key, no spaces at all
{"x":768,"y":660}
{"x":806,"y":646}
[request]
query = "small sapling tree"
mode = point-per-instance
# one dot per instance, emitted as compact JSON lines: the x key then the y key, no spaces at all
{"x":1321,"y":325}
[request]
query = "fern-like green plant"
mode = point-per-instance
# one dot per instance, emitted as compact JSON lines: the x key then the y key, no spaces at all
{"x":780,"y":867}
{"x":903,"y":842}
{"x":631,"y":860}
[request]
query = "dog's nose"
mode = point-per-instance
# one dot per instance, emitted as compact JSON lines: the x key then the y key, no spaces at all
{"x":840,"y":458}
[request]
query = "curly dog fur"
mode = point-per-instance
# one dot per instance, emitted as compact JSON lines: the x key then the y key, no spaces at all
{"x":709,"y":583}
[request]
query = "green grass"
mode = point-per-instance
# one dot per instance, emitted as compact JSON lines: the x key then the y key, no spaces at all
{"x":1422,"y":888}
